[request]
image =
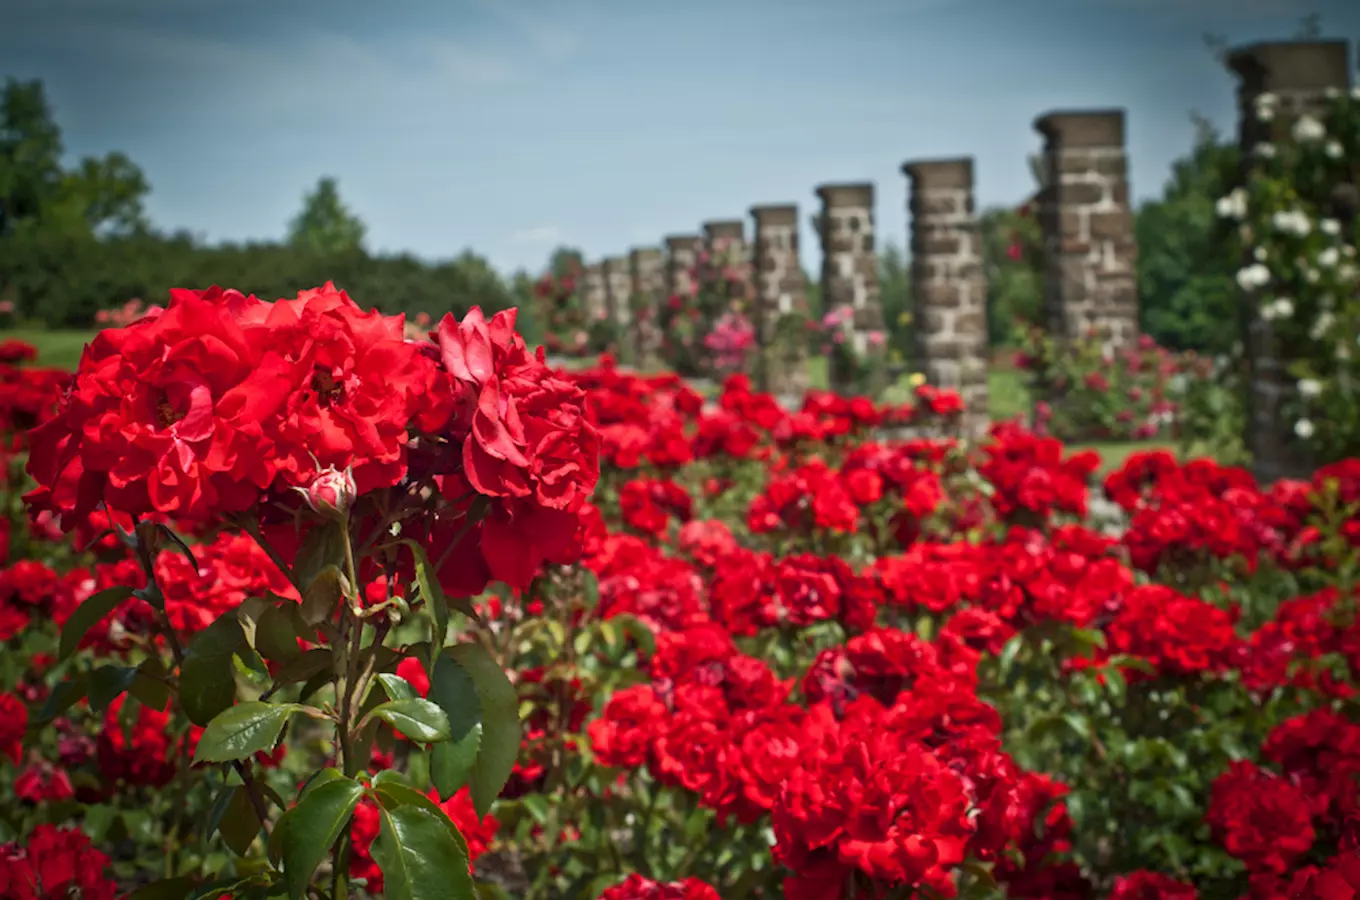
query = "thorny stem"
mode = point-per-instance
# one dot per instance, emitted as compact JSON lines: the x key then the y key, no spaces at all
{"x":347,"y":676}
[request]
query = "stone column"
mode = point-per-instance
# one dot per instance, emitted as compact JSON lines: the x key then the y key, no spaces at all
{"x":948,"y":286}
{"x":729,"y":235}
{"x":682,"y":254}
{"x":1089,"y":285}
{"x":1299,"y":74}
{"x":593,"y":293}
{"x":850,"y":278}
{"x":779,"y":306}
{"x":618,"y":287}
{"x":647,"y":266}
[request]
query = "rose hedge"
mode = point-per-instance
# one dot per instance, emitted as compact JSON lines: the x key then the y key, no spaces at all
{"x":299,"y":606}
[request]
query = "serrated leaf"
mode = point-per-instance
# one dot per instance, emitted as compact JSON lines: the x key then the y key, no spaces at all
{"x":396,"y":687}
{"x":453,"y":690}
{"x":419,"y":857}
{"x":420,"y":720}
{"x":500,"y":724}
{"x":277,"y":632}
{"x":107,"y":683}
{"x":207,"y":685}
{"x":243,"y":730}
{"x":89,"y":614}
{"x":63,"y":697}
{"x":239,"y":826}
{"x":313,"y":827}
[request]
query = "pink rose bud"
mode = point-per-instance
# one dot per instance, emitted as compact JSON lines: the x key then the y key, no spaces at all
{"x":331,"y":493}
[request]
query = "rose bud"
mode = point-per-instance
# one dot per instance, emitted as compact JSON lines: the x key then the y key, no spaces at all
{"x":331,"y":493}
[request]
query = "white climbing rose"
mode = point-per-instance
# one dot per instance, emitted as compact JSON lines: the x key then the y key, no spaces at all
{"x":1308,"y":129}
{"x":1292,"y":221}
{"x":1234,"y":205}
{"x":1329,"y":226}
{"x":1253,"y":276}
{"x":1303,"y":428}
{"x":1334,"y":149}
{"x":1321,"y":325}
{"x":1265,"y":151}
{"x":1283,"y":307}
{"x":1260,"y":254}
{"x":1310,"y":388}
{"x":1329,"y":257}
{"x":1265,"y":107}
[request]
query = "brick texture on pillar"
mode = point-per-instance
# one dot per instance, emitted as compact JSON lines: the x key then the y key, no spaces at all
{"x":850,"y":263}
{"x":618,"y":287}
{"x":1089,"y":282}
{"x":948,"y":286}
{"x":647,"y":266}
{"x":780,"y":292}
{"x":1299,"y":74}
{"x":682,"y":253}
{"x":593,"y":295}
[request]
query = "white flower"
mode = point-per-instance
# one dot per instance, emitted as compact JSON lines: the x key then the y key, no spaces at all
{"x":1307,"y":128}
{"x":1292,"y":221}
{"x":1309,"y":388}
{"x":1234,"y":205}
{"x":1321,"y":326}
{"x":1265,"y":107}
{"x":1329,"y":257}
{"x":1253,"y":276}
{"x":1178,"y":383}
{"x":1280,"y":308}
{"x":1303,"y":428}
{"x":1333,"y":149}
{"x":1265,"y":151}
{"x":1355,"y":92}
{"x":1311,"y":275}
{"x":1346,"y":272}
{"x":1329,"y":226}
{"x":1260,"y":254}
{"x":1342,"y":351}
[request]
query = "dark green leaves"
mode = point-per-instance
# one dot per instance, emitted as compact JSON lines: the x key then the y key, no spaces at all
{"x":421,"y":855}
{"x":243,"y":730}
{"x":420,"y":720}
{"x":89,"y":614}
{"x":206,"y":683}
{"x":312,"y":828}
{"x":451,"y":761}
{"x":500,"y":723}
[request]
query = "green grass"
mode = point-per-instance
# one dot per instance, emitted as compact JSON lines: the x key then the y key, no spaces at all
{"x":58,"y":349}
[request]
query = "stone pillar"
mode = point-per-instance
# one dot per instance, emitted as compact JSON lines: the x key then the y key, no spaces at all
{"x":682,"y":254}
{"x":729,"y":235}
{"x":1299,"y":74}
{"x":647,"y":266}
{"x":593,"y":294}
{"x":779,"y":305}
{"x":1089,"y":285}
{"x":850,"y":280}
{"x":618,"y":287}
{"x":948,"y":286}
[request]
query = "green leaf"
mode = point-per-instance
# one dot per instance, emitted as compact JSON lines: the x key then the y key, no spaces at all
{"x":148,"y":685}
{"x":107,"y":683}
{"x":433,"y":594}
{"x":391,"y":791}
{"x":165,"y":889}
{"x":89,"y":614}
{"x":419,"y":856}
{"x":454,"y":691}
{"x":322,"y":548}
{"x":239,"y":825}
{"x":420,"y":720}
{"x":500,"y":724}
{"x":322,"y":597}
{"x":277,"y":632}
{"x":63,"y":697}
{"x":243,"y":730}
{"x":397,"y":688}
{"x":313,"y":827}
{"x":207,"y":684}
{"x":313,"y":662}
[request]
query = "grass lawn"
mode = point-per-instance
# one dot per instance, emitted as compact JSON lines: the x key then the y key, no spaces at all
{"x":59,"y":349}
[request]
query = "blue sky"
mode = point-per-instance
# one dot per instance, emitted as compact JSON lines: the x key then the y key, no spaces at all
{"x":509,"y":126}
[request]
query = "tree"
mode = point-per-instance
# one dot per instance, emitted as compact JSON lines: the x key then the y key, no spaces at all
{"x":1187,"y":293}
{"x":1012,"y":257}
{"x":565,"y":260}
{"x":894,"y":284}
{"x":30,"y":154}
{"x":324,"y":226}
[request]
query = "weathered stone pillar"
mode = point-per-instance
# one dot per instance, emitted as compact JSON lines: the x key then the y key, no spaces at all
{"x":850,"y":282}
{"x":779,"y":307}
{"x":593,"y":294}
{"x":1298,"y":74}
{"x":649,"y":284}
{"x":725,"y":241}
{"x":682,"y":254}
{"x":948,"y":286}
{"x":1089,"y":285}
{"x":618,"y":288}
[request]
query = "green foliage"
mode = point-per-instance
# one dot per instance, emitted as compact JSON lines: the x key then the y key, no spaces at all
{"x":1188,"y":298}
{"x":1012,"y":258}
{"x":325,"y":226}
{"x":894,"y":285}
